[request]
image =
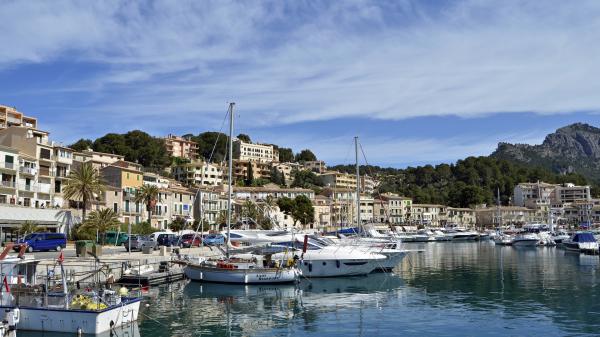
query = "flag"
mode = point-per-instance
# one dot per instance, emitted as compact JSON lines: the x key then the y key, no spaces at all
{"x":5,"y":281}
{"x":61,"y":258}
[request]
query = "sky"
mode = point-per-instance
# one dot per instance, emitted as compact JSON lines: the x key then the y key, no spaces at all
{"x":418,"y":81}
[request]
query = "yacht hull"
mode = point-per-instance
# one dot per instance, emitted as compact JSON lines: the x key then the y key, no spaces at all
{"x":337,"y":268}
{"x":524,"y":243}
{"x":241,"y":276}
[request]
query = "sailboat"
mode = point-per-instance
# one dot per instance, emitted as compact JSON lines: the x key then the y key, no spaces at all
{"x":256,"y":270}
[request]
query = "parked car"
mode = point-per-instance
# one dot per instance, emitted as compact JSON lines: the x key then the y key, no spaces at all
{"x":138,"y":242}
{"x":113,"y":238}
{"x":42,"y":242}
{"x":166,"y":239}
{"x":214,"y":239}
{"x":185,"y":241}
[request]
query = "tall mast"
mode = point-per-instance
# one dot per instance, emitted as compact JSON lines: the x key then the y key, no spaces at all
{"x":230,"y":163}
{"x":358,"y":223}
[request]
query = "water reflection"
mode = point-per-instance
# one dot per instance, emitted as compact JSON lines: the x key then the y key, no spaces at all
{"x":450,"y":289}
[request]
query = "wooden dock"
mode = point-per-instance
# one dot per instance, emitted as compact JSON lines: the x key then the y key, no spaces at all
{"x":152,"y":279}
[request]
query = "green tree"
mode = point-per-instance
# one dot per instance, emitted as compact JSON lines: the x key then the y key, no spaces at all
{"x":250,"y":211}
{"x":306,"y":179}
{"x":82,"y":144}
{"x":178,"y":224}
{"x":286,"y":155}
{"x":306,"y":155}
{"x":101,"y":221}
{"x":29,"y":227}
{"x":303,"y":210}
{"x":244,"y":138}
{"x":249,"y":174}
{"x":148,"y":195}
{"x":84,"y":184}
{"x":286,"y":205}
{"x":137,"y":146}
{"x":206,"y":142}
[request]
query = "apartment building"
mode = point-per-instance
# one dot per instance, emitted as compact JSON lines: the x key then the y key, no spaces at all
{"x":429,"y":214}
{"x":199,"y":173}
{"x":10,"y":116}
{"x":339,"y":180}
{"x":463,"y":217}
{"x":270,"y":190}
{"x":505,"y":216}
{"x":39,"y":170}
{"x":259,"y":169}
{"x":317,"y":166}
{"x":181,"y":147}
{"x":568,"y":193}
{"x":392,"y":208}
{"x":253,"y":152}
{"x":322,"y":207}
{"x":97,"y":159}
{"x":343,"y":205}
{"x":286,"y":169}
{"x":366,"y":208}
{"x":367,"y":184}
{"x":532,"y":194}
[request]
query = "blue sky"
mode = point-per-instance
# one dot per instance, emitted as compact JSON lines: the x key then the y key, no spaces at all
{"x":418,"y":81}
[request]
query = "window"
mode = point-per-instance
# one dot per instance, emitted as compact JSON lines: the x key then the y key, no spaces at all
{"x":127,"y":175}
{"x":57,"y":188}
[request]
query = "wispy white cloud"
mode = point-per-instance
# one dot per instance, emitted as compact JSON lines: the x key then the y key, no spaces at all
{"x":175,"y":63}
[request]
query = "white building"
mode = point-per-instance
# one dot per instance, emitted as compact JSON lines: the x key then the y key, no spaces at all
{"x":253,"y":152}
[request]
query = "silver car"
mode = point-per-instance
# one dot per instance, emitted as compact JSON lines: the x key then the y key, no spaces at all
{"x":138,"y":242}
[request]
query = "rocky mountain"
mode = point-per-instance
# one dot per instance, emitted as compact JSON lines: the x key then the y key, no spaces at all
{"x":571,"y":149}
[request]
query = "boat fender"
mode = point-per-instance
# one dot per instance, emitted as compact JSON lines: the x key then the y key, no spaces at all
{"x":310,"y":266}
{"x":337,"y":263}
{"x":79,"y":331}
{"x":305,"y":245}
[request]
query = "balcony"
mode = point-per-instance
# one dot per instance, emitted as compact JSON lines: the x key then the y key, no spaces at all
{"x":7,"y":165}
{"x":7,"y":184}
{"x":27,"y":188}
{"x":45,"y":173}
{"x":28,"y":170}
{"x":62,"y":174}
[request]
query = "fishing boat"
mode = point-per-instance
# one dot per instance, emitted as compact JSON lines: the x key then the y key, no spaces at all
{"x":52,"y":306}
{"x":238,"y":270}
{"x":581,"y":242}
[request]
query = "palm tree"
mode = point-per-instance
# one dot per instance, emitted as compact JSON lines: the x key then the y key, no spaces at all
{"x":101,"y":221}
{"x":148,"y":195}
{"x":29,"y":227}
{"x":84,"y":184}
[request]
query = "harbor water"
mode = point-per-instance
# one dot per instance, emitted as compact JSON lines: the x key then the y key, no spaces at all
{"x":449,"y":289}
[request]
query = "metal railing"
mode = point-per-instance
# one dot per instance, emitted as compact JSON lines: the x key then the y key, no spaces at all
{"x":28,"y":170}
{"x":9,"y":184}
{"x":7,"y":165}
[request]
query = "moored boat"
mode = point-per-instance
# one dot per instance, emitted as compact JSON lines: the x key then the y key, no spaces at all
{"x":525,"y":240}
{"x":581,"y":242}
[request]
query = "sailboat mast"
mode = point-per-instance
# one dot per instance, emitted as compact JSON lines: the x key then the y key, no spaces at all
{"x":358,"y":223}
{"x":230,"y":164}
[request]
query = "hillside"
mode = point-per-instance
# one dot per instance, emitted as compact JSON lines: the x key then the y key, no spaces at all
{"x":571,"y":149}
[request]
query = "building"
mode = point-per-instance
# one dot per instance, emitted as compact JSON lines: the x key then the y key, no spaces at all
{"x":317,"y":166}
{"x":392,"y":208}
{"x":260,"y":170}
{"x":366,"y":208}
{"x":534,"y":194}
{"x":567,"y":193}
{"x":322,"y":207}
{"x":10,"y":116}
{"x":505,"y":216}
{"x":463,"y":217}
{"x":367,"y":184}
{"x":429,"y":214}
{"x":97,"y":159}
{"x":31,"y":164}
{"x":181,"y":147}
{"x":199,"y":173}
{"x":338,"y":180}
{"x":244,"y":151}
{"x":343,"y":205}
{"x":270,"y":191}
{"x":286,"y":169}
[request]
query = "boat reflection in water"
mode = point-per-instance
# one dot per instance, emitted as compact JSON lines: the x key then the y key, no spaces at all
{"x":127,"y":330}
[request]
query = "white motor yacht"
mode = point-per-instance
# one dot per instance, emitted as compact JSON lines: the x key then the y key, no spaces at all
{"x":581,"y":242}
{"x":525,"y":240}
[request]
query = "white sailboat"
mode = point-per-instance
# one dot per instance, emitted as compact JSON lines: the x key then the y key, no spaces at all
{"x":240,"y":270}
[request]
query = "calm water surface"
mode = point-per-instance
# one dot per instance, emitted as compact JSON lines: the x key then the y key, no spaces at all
{"x":450,"y":289}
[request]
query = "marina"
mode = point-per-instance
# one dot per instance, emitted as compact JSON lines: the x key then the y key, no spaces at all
{"x":446,"y":290}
